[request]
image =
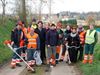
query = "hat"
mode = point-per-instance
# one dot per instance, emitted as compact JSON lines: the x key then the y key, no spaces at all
{"x":33,"y":20}
{"x":34,"y":26}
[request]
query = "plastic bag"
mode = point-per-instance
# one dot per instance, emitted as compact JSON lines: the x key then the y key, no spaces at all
{"x":37,"y":58}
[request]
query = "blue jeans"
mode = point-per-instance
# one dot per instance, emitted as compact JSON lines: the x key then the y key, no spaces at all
{"x":51,"y":50}
{"x":15,"y":56}
{"x":30,"y":54}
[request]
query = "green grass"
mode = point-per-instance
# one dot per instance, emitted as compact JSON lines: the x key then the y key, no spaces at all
{"x":5,"y":30}
{"x":92,"y":69}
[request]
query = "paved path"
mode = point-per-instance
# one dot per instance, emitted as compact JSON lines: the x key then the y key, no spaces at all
{"x":64,"y":69}
{"x":6,"y":70}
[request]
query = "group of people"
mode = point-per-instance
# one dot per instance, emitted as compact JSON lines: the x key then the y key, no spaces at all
{"x":53,"y":43}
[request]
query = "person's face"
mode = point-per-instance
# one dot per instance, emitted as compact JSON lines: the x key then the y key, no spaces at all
{"x":68,"y":27}
{"x":47,"y":26}
{"x":58,"y":27}
{"x":73,"y":30}
{"x":40,"y":25}
{"x":19,"y":27}
{"x":32,"y":30}
{"x":53,"y":27}
{"x":91,"y":27}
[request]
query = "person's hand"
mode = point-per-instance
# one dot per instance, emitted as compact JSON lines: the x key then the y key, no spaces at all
{"x":48,"y":45}
{"x":12,"y":43}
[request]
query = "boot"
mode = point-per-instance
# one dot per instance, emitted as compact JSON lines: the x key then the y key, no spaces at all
{"x":13,"y":63}
{"x":85,"y":59}
{"x":90,"y":59}
{"x":18,"y":63}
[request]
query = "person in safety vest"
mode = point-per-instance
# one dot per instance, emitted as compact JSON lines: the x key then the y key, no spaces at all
{"x":60,"y":41}
{"x":91,"y":39}
{"x":81,"y":33}
{"x":16,"y":37}
{"x":33,"y":44}
{"x":52,"y":42}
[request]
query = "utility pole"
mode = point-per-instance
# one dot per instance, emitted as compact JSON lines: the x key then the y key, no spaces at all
{"x":50,"y":10}
{"x":40,"y":8}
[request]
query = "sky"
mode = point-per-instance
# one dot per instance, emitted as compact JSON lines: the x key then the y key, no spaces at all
{"x":68,"y":5}
{"x":75,"y":5}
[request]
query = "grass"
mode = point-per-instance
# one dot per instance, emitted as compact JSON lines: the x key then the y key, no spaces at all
{"x":5,"y":52}
{"x":92,"y":69}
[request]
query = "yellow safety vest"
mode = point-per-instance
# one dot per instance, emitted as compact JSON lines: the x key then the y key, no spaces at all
{"x":89,"y":39}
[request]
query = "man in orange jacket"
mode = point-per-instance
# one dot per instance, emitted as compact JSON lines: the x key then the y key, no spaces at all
{"x":33,"y":44}
{"x":22,"y":43}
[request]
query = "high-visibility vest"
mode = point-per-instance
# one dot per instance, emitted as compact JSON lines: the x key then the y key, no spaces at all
{"x":90,"y":37}
{"x":82,"y":37}
{"x":32,"y":40}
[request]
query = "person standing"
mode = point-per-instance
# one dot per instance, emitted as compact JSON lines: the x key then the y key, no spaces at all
{"x":90,"y":41}
{"x":81,"y":33}
{"x":60,"y":41}
{"x":73,"y":41}
{"x":42,"y":35}
{"x":16,"y":37}
{"x":65,"y":49}
{"x":33,"y":44}
{"x":52,"y":42}
{"x":22,"y":43}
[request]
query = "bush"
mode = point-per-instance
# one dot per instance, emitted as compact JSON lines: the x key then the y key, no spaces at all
{"x":5,"y":30}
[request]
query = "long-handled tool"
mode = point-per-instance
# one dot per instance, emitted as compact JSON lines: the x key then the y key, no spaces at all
{"x":68,"y":54}
{"x":8,"y":44}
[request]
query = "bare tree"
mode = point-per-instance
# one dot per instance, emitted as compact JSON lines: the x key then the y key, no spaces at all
{"x":4,"y":3}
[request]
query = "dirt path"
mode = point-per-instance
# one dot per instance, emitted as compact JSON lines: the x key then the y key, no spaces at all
{"x":6,"y":70}
{"x":60,"y":69}
{"x":64,"y":69}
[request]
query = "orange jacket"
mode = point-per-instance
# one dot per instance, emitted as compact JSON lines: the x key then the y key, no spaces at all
{"x":32,"y":40}
{"x":82,"y":37}
{"x":24,"y":34}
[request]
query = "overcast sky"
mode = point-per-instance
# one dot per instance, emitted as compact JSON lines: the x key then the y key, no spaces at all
{"x":69,"y":5}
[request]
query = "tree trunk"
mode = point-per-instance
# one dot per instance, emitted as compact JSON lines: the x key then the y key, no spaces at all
{"x":23,"y":13}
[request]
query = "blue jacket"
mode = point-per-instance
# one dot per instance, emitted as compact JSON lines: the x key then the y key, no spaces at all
{"x":52,"y":38}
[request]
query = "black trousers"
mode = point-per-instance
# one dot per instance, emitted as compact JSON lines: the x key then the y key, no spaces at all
{"x":42,"y":50}
{"x":73,"y":54}
{"x":80,"y":51}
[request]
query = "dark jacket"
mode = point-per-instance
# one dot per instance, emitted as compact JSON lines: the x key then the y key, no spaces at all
{"x":60,"y":33}
{"x":73,"y":41}
{"x":52,"y":38}
{"x":16,"y":36}
{"x":42,"y":35}
{"x":66,"y":33}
